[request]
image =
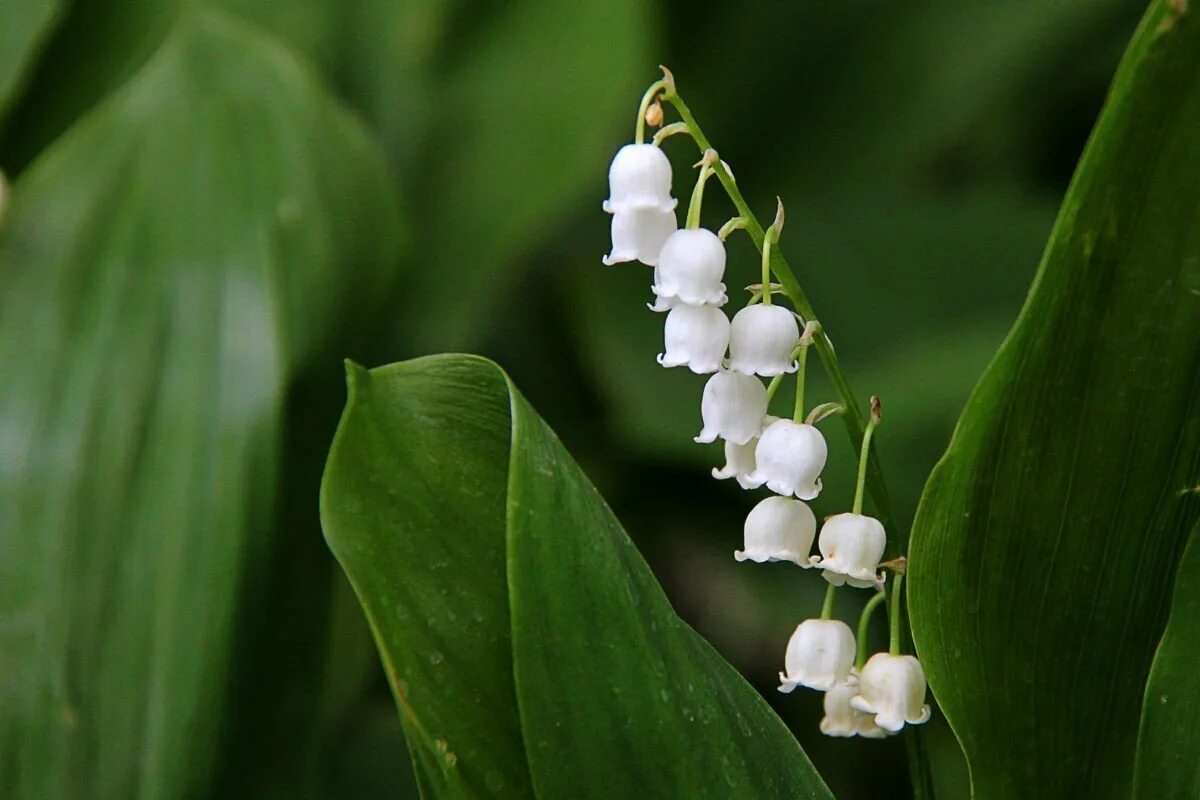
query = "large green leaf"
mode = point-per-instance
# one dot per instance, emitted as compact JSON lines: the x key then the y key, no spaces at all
{"x":1046,"y":537}
{"x":168,"y":267}
{"x":1167,"y":766}
{"x":526,"y":641}
{"x":23,"y":26}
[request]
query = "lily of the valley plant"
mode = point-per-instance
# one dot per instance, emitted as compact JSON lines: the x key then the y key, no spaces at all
{"x":864,"y":696}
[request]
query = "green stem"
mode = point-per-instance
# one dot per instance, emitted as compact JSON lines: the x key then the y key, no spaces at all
{"x":639,"y":135}
{"x":864,"y":622}
{"x":773,"y":387}
{"x":693,"y":215}
{"x":768,"y":240}
{"x":827,"y":606}
{"x":798,"y":411}
{"x":894,"y":642}
{"x":855,"y":423}
{"x":864,"y":455}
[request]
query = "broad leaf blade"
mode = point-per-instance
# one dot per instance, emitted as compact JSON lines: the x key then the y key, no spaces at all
{"x":1045,"y":535}
{"x":619,"y":697}
{"x":1167,"y":766}
{"x":167,"y":267}
{"x":413,"y":507}
{"x":432,"y":484}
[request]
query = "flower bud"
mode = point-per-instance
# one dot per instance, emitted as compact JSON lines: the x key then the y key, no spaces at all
{"x":739,"y":459}
{"x":732,"y":407}
{"x":639,"y":177}
{"x":779,"y":529}
{"x":851,"y":546}
{"x":638,"y":234}
{"x":819,"y":655}
{"x":690,"y":268}
{"x":843,"y":720}
{"x":892,"y":688}
{"x":695,"y":337}
{"x":789,"y":459}
{"x":762,"y":339}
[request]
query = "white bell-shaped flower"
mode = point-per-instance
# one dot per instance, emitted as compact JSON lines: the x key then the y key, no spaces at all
{"x":639,"y":177}
{"x":661,"y":304}
{"x":892,"y":689}
{"x":732,"y":407}
{"x":819,"y":655}
{"x":739,"y":459}
{"x":841,"y":719}
{"x":695,"y":337}
{"x":779,"y":529}
{"x":638,"y":234}
{"x":691,"y":265}
{"x":762,"y":339}
{"x":851,"y":546}
{"x":789,"y":459}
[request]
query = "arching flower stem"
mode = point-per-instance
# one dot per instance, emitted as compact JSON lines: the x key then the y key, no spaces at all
{"x":640,"y":130}
{"x":855,"y":422}
{"x":697,"y":201}
{"x":894,"y":639}
{"x":864,"y":455}
{"x":864,"y":623}
{"x":827,"y":606}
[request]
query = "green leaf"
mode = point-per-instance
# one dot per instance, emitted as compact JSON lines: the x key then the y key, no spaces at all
{"x":526,"y":641}
{"x":169,"y":266}
{"x":24,"y":24}
{"x":1166,"y":766}
{"x":1044,"y":541}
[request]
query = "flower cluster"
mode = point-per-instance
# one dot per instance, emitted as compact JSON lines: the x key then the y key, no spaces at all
{"x":863,"y":697}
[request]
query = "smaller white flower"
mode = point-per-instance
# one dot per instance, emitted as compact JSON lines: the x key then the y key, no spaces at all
{"x":762,"y":339}
{"x":691,"y":265}
{"x":732,"y":407}
{"x":819,"y":655}
{"x":851,"y":546}
{"x":779,"y":529}
{"x":639,"y":177}
{"x":789,"y":459}
{"x":638,"y":234}
{"x":892,"y":688}
{"x":695,"y":337}
{"x":739,"y":458}
{"x":841,"y":719}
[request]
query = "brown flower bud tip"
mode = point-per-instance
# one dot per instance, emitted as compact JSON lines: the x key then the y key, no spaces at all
{"x":779,"y":215}
{"x":876,"y":409}
{"x":654,"y":114}
{"x":898,"y":565}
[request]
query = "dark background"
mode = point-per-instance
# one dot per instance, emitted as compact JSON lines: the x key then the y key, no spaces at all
{"x":921,"y":149}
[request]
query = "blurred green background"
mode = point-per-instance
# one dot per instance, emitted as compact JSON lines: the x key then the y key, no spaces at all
{"x":921,"y":150}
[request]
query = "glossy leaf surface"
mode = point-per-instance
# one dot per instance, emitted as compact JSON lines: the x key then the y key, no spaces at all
{"x":1045,"y":541}
{"x":528,"y":645}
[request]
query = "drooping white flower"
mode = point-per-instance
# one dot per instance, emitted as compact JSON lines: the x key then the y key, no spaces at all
{"x":892,"y":688}
{"x":851,"y":546}
{"x":732,"y":407}
{"x":739,"y":458}
{"x":695,"y":337}
{"x":661,"y":304}
{"x":691,"y":265}
{"x":841,"y":719}
{"x":638,"y":234}
{"x":779,"y":529}
{"x":789,"y":459}
{"x":762,"y":339}
{"x":819,"y":655}
{"x":639,"y":177}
